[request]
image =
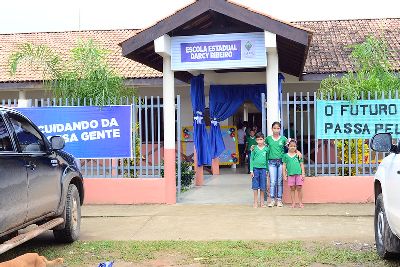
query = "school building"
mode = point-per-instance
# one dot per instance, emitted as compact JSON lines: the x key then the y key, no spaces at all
{"x":215,"y":63}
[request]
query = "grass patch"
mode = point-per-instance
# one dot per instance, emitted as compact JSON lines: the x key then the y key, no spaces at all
{"x":216,"y":253}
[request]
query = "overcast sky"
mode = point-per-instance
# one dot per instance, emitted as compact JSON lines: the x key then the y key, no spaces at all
{"x":58,"y":15}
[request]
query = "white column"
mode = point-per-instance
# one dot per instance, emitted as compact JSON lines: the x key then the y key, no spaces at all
{"x":22,"y":101}
{"x":245,"y":112}
{"x":169,"y":104}
{"x":162,"y":46}
{"x":272,"y":72}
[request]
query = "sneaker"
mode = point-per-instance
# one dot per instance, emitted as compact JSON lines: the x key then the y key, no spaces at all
{"x":280,"y":204}
{"x":271,"y":204}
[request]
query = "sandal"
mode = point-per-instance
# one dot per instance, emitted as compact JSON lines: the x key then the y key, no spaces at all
{"x":301,"y":205}
{"x":293,"y":206}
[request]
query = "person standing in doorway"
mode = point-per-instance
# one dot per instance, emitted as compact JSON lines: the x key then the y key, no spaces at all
{"x":250,"y":143}
{"x":246,"y":128}
{"x":294,"y":173}
{"x":241,"y":143}
{"x":258,"y":169}
{"x":276,"y":144}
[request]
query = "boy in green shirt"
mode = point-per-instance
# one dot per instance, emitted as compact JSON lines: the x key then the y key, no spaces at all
{"x":293,"y":172}
{"x":258,"y":169}
{"x":250,"y":141}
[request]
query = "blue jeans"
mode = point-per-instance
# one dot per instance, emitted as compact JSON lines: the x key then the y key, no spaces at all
{"x":276,"y":181}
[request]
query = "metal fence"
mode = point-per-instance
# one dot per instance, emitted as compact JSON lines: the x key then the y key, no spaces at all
{"x":324,"y":157}
{"x":147,"y":138}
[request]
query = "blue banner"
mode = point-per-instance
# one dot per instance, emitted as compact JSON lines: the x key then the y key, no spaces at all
{"x":89,"y":132}
{"x":359,"y":120}
{"x":211,"y":51}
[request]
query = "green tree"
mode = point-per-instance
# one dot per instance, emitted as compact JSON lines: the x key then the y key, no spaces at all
{"x":84,"y":74}
{"x":373,"y":74}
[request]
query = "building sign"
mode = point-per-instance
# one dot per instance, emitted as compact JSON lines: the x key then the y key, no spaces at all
{"x":361,"y":119}
{"x":218,"y":51}
{"x":211,"y":51}
{"x":89,"y":132}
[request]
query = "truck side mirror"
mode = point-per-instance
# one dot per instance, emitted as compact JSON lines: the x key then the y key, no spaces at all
{"x":57,"y":142}
{"x":382,"y":142}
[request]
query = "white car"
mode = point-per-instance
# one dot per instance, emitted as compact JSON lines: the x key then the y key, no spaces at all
{"x":387,"y":197}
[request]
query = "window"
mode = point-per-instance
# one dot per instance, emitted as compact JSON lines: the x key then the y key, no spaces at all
{"x":5,"y":141}
{"x":28,"y":137}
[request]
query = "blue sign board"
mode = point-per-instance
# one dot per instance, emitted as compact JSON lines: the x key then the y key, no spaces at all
{"x":361,"y":119}
{"x":211,"y":51}
{"x":218,"y":51}
{"x":89,"y":132}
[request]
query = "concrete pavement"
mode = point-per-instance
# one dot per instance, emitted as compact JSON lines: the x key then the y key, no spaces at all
{"x":221,"y":210}
{"x":330,"y":222}
{"x":233,"y":186}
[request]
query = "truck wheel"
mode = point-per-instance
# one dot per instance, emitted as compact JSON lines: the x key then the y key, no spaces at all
{"x":387,"y":243}
{"x":72,"y":212}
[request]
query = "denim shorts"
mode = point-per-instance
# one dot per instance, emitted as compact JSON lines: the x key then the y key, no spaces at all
{"x":259,"y":181}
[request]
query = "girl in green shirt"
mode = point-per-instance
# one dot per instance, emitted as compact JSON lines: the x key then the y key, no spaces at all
{"x":293,"y":172}
{"x":276,"y":144}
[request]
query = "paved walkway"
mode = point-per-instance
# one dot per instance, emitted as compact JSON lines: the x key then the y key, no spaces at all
{"x":233,"y":186}
{"x":330,"y":222}
{"x":221,"y":210}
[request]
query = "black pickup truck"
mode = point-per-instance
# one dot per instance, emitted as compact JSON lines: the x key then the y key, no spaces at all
{"x":40,"y":184}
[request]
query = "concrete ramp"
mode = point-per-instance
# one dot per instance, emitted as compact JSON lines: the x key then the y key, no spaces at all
{"x":230,"y":187}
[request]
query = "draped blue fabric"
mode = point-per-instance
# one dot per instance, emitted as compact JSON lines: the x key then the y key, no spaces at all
{"x":224,"y":102}
{"x":200,"y":136}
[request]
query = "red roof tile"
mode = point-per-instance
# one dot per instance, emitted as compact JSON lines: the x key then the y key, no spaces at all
{"x":329,"y":50}
{"x":328,"y":53}
{"x":63,"y":42}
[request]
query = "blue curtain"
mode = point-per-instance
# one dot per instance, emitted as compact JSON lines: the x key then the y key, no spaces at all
{"x":200,"y":135}
{"x":224,"y":102}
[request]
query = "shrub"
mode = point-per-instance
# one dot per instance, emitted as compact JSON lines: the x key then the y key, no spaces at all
{"x":373,"y":74}
{"x":187,"y":174}
{"x":136,"y":156}
{"x":355,"y":157}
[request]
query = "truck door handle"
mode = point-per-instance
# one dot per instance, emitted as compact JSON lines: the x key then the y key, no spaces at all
{"x":31,"y":166}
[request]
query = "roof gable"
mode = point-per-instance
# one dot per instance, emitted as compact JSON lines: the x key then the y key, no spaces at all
{"x":220,"y":16}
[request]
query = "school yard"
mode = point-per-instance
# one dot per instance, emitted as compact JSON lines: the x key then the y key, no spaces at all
{"x":215,"y":224}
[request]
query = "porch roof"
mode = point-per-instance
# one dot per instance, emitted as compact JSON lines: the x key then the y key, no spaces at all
{"x":216,"y":17}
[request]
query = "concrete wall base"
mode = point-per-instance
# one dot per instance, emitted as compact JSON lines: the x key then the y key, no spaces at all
{"x":329,"y":189}
{"x":335,"y":189}
{"x":125,"y":191}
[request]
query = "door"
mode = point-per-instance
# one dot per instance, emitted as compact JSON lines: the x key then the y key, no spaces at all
{"x":13,"y":183}
{"x":392,"y":185}
{"x":44,"y":171}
